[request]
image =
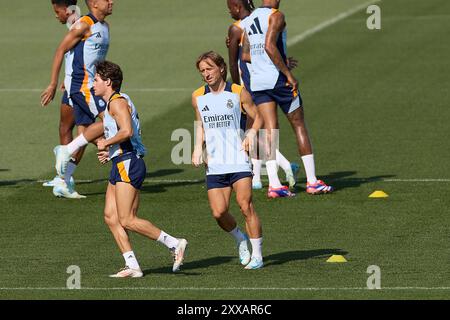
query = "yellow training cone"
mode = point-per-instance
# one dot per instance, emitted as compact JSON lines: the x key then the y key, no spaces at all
{"x":336,"y":258}
{"x":379,"y":194}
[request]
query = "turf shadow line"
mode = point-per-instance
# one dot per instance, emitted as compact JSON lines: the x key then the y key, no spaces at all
{"x":289,"y":256}
{"x":193,"y":265}
{"x":341,"y":181}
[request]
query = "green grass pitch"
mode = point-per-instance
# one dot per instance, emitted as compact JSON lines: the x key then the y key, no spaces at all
{"x":377,"y":108}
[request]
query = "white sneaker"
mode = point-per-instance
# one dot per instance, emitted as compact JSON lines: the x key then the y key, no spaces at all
{"x":244,"y":253}
{"x":62,"y":159}
{"x":52,"y":183}
{"x":127,"y":272}
{"x":178,"y":254}
{"x":255,"y":263}
{"x":56,"y":180}
{"x":61,"y":190}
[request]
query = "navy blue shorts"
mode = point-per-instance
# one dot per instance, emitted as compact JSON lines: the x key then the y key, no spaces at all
{"x":217,"y":181}
{"x":65,"y":99}
{"x":128,"y":168}
{"x":86,"y":108}
{"x":288,"y":100}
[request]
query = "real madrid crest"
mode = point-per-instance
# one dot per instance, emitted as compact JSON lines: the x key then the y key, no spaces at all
{"x":230,"y":104}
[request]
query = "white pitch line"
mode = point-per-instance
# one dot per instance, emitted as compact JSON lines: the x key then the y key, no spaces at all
{"x":302,"y":36}
{"x":229,"y":289}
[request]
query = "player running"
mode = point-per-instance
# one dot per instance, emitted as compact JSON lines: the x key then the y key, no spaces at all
{"x":64,"y":13}
{"x":86,"y":43}
{"x":218,"y":107}
{"x":273,"y":83}
{"x":240,"y":10}
{"x":125,"y":151}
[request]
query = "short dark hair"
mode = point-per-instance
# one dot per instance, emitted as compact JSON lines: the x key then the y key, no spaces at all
{"x":248,"y":4}
{"x":109,"y":70}
{"x":66,"y":3}
{"x":217,"y":59}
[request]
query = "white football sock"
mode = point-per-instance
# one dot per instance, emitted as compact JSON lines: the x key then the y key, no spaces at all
{"x":77,"y":143}
{"x":257,"y":164}
{"x":130,"y":260}
{"x":310,"y":168}
{"x":237,"y":234}
{"x":272,"y":172}
{"x":167,"y":240}
{"x":71,"y":166}
{"x":283,"y":162}
{"x":257,"y":248}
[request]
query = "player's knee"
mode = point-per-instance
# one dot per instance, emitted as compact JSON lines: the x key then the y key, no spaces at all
{"x":127,"y":222}
{"x":110,"y":218}
{"x":245,"y":207}
{"x":296,"y":118}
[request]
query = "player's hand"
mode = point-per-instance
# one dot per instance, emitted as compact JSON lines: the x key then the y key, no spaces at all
{"x":227,"y":41}
{"x":292,"y":82}
{"x":103,"y":156}
{"x":62,"y":87}
{"x":249,"y":141}
{"x":197,"y":158}
{"x":101,"y":144}
{"x":291,"y":63}
{"x":48,"y":95}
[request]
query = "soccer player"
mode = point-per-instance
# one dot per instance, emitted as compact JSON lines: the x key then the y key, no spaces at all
{"x":86,"y":43}
{"x":125,"y":150}
{"x":273,"y":83}
{"x":63,"y":12}
{"x":240,"y":10}
{"x":218,"y":107}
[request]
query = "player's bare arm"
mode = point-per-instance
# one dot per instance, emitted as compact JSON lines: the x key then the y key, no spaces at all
{"x":234,"y":36}
{"x":120,"y":111}
{"x":252,"y":111}
{"x":199,"y":136}
{"x":246,"y":49}
{"x":75,"y":35}
{"x":276,"y":25}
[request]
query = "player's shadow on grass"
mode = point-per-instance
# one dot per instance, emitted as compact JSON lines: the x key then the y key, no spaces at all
{"x":346,"y":179}
{"x":193,"y":265}
{"x":154,"y":185}
{"x":163,"y":173}
{"x":8,"y":183}
{"x":284,"y":257}
{"x":162,"y":187}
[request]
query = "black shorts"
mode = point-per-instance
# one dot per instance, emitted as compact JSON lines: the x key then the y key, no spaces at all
{"x":128,"y":168}
{"x":217,"y":181}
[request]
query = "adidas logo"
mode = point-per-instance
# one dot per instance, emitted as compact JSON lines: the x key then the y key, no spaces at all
{"x":205,"y":109}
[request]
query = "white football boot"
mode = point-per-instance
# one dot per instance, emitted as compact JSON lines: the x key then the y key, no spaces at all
{"x":244,"y":253}
{"x":178,"y":254}
{"x":127,"y":272}
{"x":62,"y":190}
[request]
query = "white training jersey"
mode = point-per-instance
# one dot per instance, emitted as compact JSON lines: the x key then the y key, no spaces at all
{"x":80,"y":61}
{"x":134,"y":144}
{"x":221,"y":117}
{"x":263,"y":73}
